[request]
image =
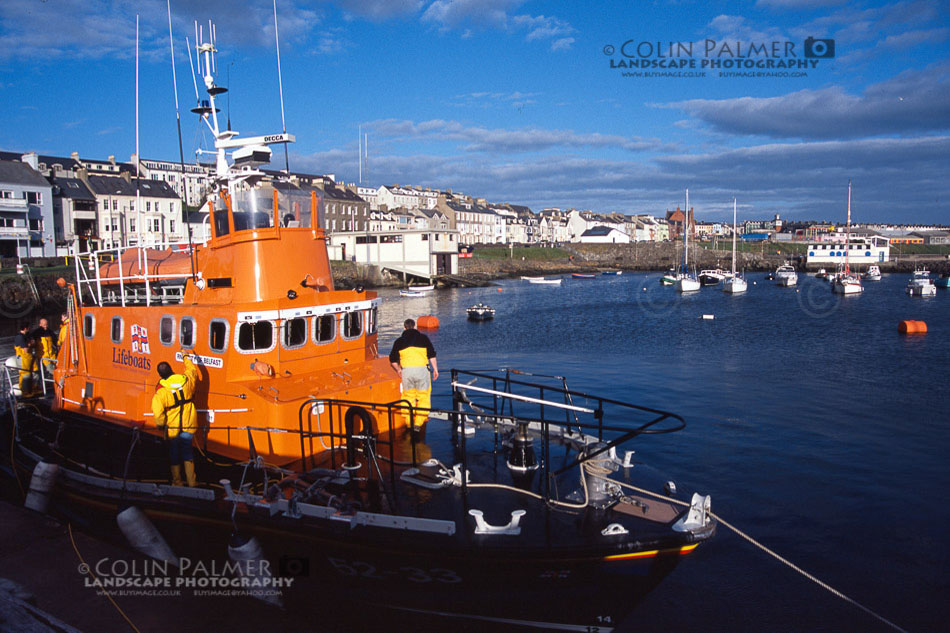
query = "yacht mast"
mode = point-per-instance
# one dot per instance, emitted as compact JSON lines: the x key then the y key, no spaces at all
{"x":847,"y":235}
{"x":733,"y":237}
{"x":686,"y":236}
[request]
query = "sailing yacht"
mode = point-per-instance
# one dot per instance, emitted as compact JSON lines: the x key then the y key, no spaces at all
{"x":734,"y":283}
{"x":686,"y":282}
{"x":847,"y":283}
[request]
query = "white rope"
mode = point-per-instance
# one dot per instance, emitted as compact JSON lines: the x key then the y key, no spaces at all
{"x":771,"y":553}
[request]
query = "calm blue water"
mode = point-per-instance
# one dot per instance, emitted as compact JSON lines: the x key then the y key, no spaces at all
{"x":814,"y":425}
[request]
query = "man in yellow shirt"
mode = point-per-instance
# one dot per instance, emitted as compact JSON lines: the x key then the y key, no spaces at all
{"x":411,"y":355}
{"x":23,"y":345}
{"x":174,"y":410}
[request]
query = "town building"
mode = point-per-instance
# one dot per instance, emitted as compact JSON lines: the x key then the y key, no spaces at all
{"x":74,"y":214}
{"x":26,"y":211}
{"x":192,"y":182}
{"x":603,"y":235}
{"x":156,"y":219}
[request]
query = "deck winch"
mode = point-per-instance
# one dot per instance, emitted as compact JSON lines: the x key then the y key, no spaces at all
{"x":522,"y":460}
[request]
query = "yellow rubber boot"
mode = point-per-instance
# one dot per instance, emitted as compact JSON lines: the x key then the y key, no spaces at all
{"x":190,"y":474}
{"x":176,"y":475}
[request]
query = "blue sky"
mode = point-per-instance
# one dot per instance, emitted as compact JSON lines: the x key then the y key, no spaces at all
{"x":518,"y":101}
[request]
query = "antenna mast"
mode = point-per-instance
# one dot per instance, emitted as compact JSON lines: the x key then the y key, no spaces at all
{"x":181,"y":151}
{"x":280,"y":84}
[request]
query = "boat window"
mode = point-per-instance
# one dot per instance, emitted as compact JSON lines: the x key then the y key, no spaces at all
{"x":166,"y":330}
{"x":255,"y":337}
{"x":371,"y":316}
{"x":88,"y":326}
{"x":295,"y":333}
{"x":352,"y":324}
{"x":186,"y":332}
{"x":324,"y":328}
{"x":116,"y":331}
{"x":218,"y":335}
{"x":252,"y":209}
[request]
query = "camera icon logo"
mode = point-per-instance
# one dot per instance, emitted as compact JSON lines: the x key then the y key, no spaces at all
{"x":293,"y":567}
{"x":819,"y":49}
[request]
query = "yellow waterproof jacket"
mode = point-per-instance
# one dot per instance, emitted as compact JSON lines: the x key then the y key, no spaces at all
{"x":26,"y":358}
{"x":172,"y":404}
{"x":63,"y":333}
{"x":44,"y":346}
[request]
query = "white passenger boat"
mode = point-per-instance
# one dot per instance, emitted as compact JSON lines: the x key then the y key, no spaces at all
{"x":920,"y":285}
{"x":785,"y":275}
{"x":873,"y":273}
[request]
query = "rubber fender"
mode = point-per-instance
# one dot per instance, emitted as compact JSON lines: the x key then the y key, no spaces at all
{"x":142,"y":535}
{"x":41,"y":486}
{"x":248,"y":556}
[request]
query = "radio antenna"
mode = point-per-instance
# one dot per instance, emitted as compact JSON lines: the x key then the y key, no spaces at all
{"x":181,"y":150}
{"x":280,"y":84}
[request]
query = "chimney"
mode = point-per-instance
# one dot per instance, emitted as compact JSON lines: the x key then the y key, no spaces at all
{"x":75,"y":156}
{"x":31,"y":159}
{"x":112,"y":159}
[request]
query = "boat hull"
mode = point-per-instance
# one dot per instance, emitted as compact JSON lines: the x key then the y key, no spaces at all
{"x":687,"y":284}
{"x":325,"y":561}
{"x":735,"y":285}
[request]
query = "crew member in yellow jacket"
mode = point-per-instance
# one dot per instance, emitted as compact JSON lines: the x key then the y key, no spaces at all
{"x":23,"y":345}
{"x":43,"y":342}
{"x":411,"y":355}
{"x":174,"y":410}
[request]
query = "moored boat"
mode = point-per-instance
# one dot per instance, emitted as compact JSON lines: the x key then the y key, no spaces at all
{"x":686,"y":281}
{"x":612,"y":272}
{"x":480,"y":312}
{"x":920,"y":284}
{"x":545,"y":281}
{"x":712,"y":277}
{"x":582,"y":275}
{"x":873,"y":273}
{"x":306,"y":443}
{"x":845,"y":282}
{"x":785,"y":275}
{"x":734,"y":282}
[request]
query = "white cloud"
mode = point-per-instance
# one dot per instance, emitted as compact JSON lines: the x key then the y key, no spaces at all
{"x":912,"y":102}
{"x":893,"y":178}
{"x":480,"y":139}
{"x":379,"y":10}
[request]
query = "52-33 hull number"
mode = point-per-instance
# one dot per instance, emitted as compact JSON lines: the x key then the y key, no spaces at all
{"x":362,"y":569}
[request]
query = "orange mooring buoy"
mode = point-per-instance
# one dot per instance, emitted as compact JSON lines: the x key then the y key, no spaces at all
{"x":427,"y":322}
{"x":912,"y":327}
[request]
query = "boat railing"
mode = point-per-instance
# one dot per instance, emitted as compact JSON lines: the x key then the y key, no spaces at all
{"x":139,"y":288}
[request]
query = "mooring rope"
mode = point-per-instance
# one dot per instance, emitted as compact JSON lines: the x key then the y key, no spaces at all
{"x":768,"y":551}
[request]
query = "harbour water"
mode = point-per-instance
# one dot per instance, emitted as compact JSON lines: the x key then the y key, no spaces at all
{"x":817,"y":428}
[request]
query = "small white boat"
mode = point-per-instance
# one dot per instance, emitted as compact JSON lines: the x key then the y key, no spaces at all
{"x":873,"y":273}
{"x":685,"y":282}
{"x":412,"y":293}
{"x":821,"y":274}
{"x":528,"y":278}
{"x":542,"y":280}
{"x":786,"y":276}
{"x":734,"y":283}
{"x":920,"y":285}
{"x":845,"y":282}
